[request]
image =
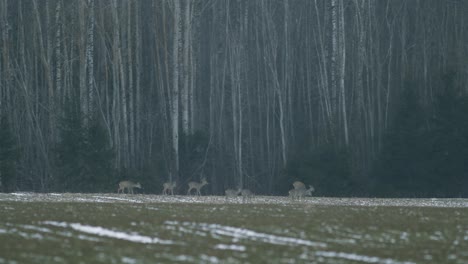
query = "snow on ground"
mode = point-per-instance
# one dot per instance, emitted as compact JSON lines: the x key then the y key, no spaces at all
{"x":148,"y":198}
{"x":104,"y":232}
{"x":359,"y":258}
{"x":230,"y":247}
{"x":242,"y":233}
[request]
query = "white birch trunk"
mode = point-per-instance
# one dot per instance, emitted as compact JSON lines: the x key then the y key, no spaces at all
{"x":186,"y":69}
{"x":116,"y":100}
{"x":334,"y":54}
{"x":138,"y":54}
{"x":58,"y":52}
{"x":324,"y":87}
{"x":342,"y":74}
{"x":175,"y":90}
{"x":90,"y":58}
{"x":130,"y":85}
{"x":84,"y":92}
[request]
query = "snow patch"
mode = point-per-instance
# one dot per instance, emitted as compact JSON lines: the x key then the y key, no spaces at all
{"x":184,"y":258}
{"x":361,"y":258}
{"x":128,"y":260}
{"x":2,"y":260}
{"x":36,"y":228}
{"x":242,"y":233}
{"x":21,"y":194}
{"x":118,"y":199}
{"x":230,"y":247}
{"x":209,"y":259}
{"x":104,"y":232}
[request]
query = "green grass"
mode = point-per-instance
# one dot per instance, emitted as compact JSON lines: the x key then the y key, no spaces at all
{"x":153,"y":229}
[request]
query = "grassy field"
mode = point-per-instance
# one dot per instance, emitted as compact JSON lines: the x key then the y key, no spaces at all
{"x":111,"y":228}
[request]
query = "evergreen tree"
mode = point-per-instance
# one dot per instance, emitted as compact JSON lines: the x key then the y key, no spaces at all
{"x":402,"y":157}
{"x":192,"y":154}
{"x":98,"y":157}
{"x":426,"y":157}
{"x":326,"y":168}
{"x":84,"y":156}
{"x":449,"y":142}
{"x":9,"y":154}
{"x":70,"y":148}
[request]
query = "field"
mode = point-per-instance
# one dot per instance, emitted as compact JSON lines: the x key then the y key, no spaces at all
{"x":111,"y":228}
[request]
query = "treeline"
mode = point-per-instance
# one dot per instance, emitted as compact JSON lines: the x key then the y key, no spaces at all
{"x":247,"y":93}
{"x":423,"y":154}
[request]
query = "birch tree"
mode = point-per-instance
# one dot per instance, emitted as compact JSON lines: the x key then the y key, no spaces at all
{"x":175,"y":89}
{"x":185,"y":106}
{"x":90,"y":60}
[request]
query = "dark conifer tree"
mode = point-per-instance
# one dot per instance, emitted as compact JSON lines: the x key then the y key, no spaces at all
{"x":9,"y":154}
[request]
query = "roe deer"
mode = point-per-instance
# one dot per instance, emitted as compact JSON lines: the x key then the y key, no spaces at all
{"x":299,"y":185}
{"x":299,"y":193}
{"x":197,"y":186}
{"x":129,"y":185}
{"x":169,"y":187}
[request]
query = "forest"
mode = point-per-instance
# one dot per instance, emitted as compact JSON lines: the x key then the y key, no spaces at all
{"x":355,"y":97}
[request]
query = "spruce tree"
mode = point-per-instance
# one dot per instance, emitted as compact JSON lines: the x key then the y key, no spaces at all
{"x":9,"y":155}
{"x":84,"y":155}
{"x":70,"y":148}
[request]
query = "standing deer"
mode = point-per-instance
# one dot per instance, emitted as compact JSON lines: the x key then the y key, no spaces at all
{"x":129,"y":185}
{"x":301,"y":192}
{"x":169,"y":187}
{"x":197,"y":186}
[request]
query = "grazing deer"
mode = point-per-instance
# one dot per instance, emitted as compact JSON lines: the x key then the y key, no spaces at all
{"x":246,"y":194}
{"x":232,"y":193}
{"x":299,"y":193}
{"x":129,"y":185}
{"x":197,"y":186}
{"x":299,"y":185}
{"x":169,"y":187}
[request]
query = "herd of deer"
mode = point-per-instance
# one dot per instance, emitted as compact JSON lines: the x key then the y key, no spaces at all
{"x":298,"y":192}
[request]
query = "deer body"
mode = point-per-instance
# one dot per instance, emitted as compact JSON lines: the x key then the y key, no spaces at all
{"x":301,"y":192}
{"x":169,"y":187}
{"x":197,"y":186}
{"x":129,"y":185}
{"x":299,"y":185}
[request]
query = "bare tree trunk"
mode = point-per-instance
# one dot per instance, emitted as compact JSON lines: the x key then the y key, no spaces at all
{"x":334,"y":63}
{"x":186,"y":70}
{"x":116,"y":97}
{"x":84,"y":92}
{"x":138,"y":96}
{"x":175,"y":90}
{"x":130,"y":85}
{"x":324,"y":86}
{"x":342,"y":73}
{"x":90,"y":59}
{"x":4,"y":59}
{"x":58,"y":53}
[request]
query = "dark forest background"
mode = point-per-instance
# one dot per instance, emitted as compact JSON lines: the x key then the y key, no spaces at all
{"x":356,"y":97}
